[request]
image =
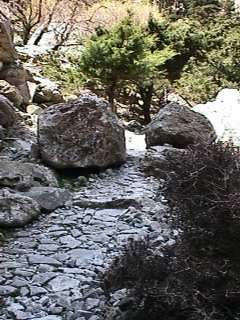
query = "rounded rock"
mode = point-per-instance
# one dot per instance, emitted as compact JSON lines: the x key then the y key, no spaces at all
{"x":81,"y":133}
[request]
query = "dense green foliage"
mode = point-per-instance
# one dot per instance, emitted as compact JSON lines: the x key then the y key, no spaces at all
{"x":127,"y":53}
{"x":194,"y":53}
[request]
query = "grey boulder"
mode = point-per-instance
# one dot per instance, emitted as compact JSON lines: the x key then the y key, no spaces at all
{"x":11,"y":92}
{"x":23,"y":176}
{"x":16,"y":210}
{"x":21,"y":144}
{"x":7,"y":112}
{"x":178,"y":126}
{"x":81,"y":133}
{"x":49,"y":198}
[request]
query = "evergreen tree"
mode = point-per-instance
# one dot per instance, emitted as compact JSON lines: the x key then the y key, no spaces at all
{"x":127,"y":52}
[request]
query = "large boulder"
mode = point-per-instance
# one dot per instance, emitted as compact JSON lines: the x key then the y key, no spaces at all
{"x":179,"y":126}
{"x":81,"y":133}
{"x":16,"y":210}
{"x":23,"y":176}
{"x":7,"y":113}
{"x":11,"y":92}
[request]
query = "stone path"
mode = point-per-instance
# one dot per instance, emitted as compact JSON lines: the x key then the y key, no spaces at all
{"x":50,"y":269}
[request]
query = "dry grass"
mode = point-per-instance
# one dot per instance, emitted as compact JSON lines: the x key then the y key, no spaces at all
{"x":107,"y":13}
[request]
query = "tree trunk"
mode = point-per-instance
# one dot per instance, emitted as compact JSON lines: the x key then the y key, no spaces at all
{"x":111,"y":96}
{"x":26,"y":34}
{"x":41,"y":34}
{"x":146,"y":95}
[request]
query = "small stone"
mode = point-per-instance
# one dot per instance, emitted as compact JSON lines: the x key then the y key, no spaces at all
{"x":94,"y":318}
{"x":49,"y":318}
{"x":43,"y":278}
{"x":61,"y":283}
{"x":55,"y":310}
{"x":70,"y":242}
{"x":19,"y":282}
{"x":35,"y":291}
{"x":21,"y":315}
{"x":7,"y":290}
{"x":23,"y":273}
{"x":24,"y":291}
{"x":15,"y":306}
{"x":2,"y":280}
{"x":92,"y":303}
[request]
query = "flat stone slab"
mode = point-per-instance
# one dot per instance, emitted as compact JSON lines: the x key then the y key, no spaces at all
{"x":62,"y":283}
{"x":50,"y":318}
{"x":49,"y":198}
{"x":7,"y":290}
{"x":41,"y":259}
{"x":122,"y":203}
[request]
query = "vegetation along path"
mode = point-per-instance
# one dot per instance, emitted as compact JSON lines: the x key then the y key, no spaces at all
{"x":50,"y":269}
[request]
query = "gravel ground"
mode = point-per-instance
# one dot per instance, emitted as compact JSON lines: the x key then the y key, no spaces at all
{"x":50,"y":269}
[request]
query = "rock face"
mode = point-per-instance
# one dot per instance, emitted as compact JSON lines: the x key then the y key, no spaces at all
{"x":156,"y":160}
{"x":15,"y":75}
{"x":22,"y":176}
{"x":21,"y":146}
{"x":10,"y":69}
{"x":7,"y":113}
{"x":16,"y":210}
{"x":81,"y":134}
{"x":47,"y":92}
{"x":2,"y":136}
{"x":7,"y":51}
{"x":178,"y":126}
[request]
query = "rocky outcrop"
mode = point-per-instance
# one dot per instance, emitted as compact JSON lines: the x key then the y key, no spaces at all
{"x":21,"y":144}
{"x":178,"y":126}
{"x":47,"y":92}
{"x":23,"y":176}
{"x":81,"y":134}
{"x":16,"y":210}
{"x":159,"y":160}
{"x":7,"y":50}
{"x":2,"y":136}
{"x":7,"y":113}
{"x":26,"y":189}
{"x":11,"y":92}
{"x":17,"y":76}
{"x":10,"y":69}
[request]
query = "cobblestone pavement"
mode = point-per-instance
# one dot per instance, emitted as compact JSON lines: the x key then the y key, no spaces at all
{"x":50,"y":269}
